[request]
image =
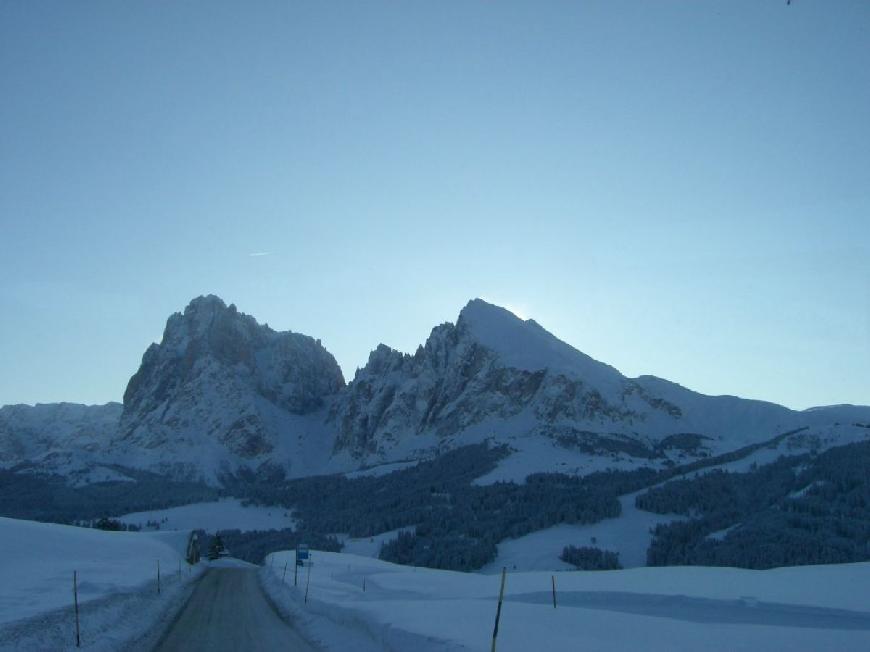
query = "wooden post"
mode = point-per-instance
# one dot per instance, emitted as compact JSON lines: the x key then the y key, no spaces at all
{"x":76,"y":600}
{"x":158,"y":576}
{"x":308,"y":581}
{"x":284,"y":574}
{"x":498,"y":611}
{"x":554,"y":591}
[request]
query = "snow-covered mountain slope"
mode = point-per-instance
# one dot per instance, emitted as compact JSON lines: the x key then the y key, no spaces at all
{"x":55,"y":434}
{"x":221,"y":391}
{"x":495,"y":375}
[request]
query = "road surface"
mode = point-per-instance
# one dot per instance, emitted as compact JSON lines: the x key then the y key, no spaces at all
{"x":228,"y":611}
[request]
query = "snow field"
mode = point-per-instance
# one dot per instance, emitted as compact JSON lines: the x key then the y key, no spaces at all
{"x":650,"y":609}
{"x":629,"y":534}
{"x":117,"y":577}
{"x":224,"y":514}
{"x":370,"y":546}
{"x":381,"y":469}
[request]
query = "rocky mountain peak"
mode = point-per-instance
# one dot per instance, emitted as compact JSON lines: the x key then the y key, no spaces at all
{"x":218,"y":376}
{"x":207,"y":304}
{"x":524,"y":344}
{"x":208,"y":323}
{"x":384,"y":359}
{"x":479,"y":310}
{"x":489,"y":364}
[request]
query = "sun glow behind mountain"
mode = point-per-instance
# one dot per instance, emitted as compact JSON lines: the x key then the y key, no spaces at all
{"x":519,"y":309}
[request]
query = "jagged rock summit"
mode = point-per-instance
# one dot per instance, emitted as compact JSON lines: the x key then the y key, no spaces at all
{"x":221,"y":388}
{"x":490,"y":373}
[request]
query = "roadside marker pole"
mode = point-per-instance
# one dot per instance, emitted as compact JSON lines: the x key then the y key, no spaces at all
{"x":284,"y":574}
{"x":554,"y":591}
{"x":364,"y":584}
{"x":76,"y":600}
{"x":498,"y":611}
{"x":308,"y":581}
{"x":296,"y":566}
{"x":158,"y":577}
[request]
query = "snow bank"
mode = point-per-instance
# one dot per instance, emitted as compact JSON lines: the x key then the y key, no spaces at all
{"x":683,"y":608}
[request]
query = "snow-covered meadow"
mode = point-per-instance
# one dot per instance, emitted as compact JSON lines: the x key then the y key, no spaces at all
{"x":369,"y":546}
{"x":628,"y":534}
{"x":224,"y":514}
{"x":117,"y":582}
{"x":385,"y":606}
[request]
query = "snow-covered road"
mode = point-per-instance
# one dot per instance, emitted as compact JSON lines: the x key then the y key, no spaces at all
{"x":228,"y":611}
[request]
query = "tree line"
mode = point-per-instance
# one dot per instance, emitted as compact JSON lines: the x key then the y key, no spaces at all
{"x":805,"y":509}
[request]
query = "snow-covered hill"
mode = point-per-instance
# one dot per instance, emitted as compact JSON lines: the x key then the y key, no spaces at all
{"x":117,"y":584}
{"x":38,"y":560}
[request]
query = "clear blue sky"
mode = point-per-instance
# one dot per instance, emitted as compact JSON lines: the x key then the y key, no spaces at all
{"x":675,"y":188}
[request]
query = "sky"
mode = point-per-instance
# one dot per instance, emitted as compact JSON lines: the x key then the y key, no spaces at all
{"x":675,"y":188}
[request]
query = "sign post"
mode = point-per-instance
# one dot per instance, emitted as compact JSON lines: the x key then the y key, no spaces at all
{"x":308,"y":581}
{"x":301,"y":556}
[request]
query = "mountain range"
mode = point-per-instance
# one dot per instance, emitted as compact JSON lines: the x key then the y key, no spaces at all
{"x":221,"y":393}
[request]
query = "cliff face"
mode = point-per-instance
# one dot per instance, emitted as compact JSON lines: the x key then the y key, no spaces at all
{"x":447,"y":385}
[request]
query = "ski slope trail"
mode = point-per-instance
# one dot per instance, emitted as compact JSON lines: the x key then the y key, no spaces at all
{"x":228,"y":611}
